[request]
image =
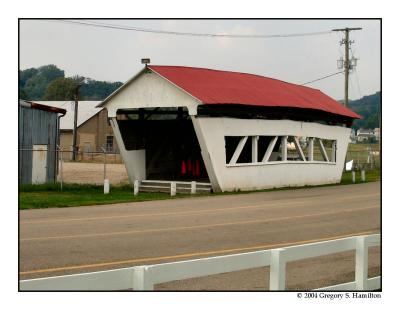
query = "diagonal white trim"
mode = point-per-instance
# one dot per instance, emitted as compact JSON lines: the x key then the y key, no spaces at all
{"x":298,"y":147}
{"x":322,"y":149}
{"x":238,"y":150}
{"x":268,"y":152}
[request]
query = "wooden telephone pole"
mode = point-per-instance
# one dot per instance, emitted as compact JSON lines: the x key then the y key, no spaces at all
{"x":75,"y":133}
{"x":346,"y":64}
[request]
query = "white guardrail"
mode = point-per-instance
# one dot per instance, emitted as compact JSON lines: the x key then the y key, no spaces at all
{"x":145,"y":277}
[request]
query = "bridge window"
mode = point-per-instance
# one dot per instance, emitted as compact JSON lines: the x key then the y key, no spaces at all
{"x":266,"y":149}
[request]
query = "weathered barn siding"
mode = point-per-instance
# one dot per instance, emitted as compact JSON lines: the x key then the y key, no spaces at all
{"x":36,"y":127}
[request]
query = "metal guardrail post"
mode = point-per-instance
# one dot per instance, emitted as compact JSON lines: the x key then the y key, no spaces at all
{"x":361,"y":263}
{"x":277,"y":272}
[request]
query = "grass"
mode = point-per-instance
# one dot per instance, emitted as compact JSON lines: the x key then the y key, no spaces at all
{"x":50,"y":195}
{"x":370,"y":176}
{"x":362,"y":147}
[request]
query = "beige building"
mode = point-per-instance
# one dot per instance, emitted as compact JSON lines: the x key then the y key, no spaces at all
{"x":94,"y":130}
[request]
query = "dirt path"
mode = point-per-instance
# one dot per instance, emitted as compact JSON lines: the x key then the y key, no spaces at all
{"x":92,"y":173}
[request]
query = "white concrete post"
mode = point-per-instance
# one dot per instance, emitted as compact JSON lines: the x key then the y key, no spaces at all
{"x":106,"y":181}
{"x":353,"y":176}
{"x":141,"y":279}
{"x":193,"y":187}
{"x":136,"y":187}
{"x":254,"y":149}
{"x":361,"y":263}
{"x":173,"y":188}
{"x":277,"y":272}
{"x":284,"y":148}
{"x":363,"y":175}
{"x":106,"y":186}
{"x":310,"y":149}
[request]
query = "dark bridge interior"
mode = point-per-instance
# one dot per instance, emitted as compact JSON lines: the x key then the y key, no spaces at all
{"x":168,"y":136}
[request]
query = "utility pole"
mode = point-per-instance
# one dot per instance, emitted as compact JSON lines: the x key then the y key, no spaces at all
{"x":74,"y":147}
{"x":347,"y":64}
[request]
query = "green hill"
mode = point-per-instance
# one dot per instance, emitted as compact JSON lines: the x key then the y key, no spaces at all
{"x":369,"y":107}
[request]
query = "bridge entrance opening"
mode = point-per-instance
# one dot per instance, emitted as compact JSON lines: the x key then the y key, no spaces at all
{"x":172,"y":151}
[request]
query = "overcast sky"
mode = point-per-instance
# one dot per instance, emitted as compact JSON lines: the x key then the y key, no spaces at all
{"x":114,"y":55}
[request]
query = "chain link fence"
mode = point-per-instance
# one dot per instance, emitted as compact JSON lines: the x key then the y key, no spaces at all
{"x":364,"y":156}
{"x":40,"y":165}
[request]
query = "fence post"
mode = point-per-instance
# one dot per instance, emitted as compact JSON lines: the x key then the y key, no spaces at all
{"x":361,"y":263}
{"x":193,"y":187}
{"x":363,"y":175}
{"x":173,"y":188}
{"x":353,"y":176}
{"x":61,"y":165}
{"x":135,"y":187}
{"x":141,"y":279}
{"x":277,"y":272}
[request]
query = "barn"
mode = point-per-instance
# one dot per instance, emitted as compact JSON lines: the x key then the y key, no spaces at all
{"x":238,"y":131}
{"x":37,"y":142}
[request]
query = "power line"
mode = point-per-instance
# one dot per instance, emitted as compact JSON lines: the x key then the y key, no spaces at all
{"x":356,"y":74}
{"x":212,"y":35}
{"x":324,"y":77}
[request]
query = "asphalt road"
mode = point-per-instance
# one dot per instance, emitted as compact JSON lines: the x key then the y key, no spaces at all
{"x":85,"y":239}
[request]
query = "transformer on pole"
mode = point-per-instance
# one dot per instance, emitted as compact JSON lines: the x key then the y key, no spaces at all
{"x":346,"y":63}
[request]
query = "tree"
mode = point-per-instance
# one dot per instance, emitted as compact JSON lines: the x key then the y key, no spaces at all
{"x":50,"y":72}
{"x":49,"y":83}
{"x":60,"y":89}
{"x":25,"y":75}
{"x":34,"y":82}
{"x":98,"y":90}
{"x":21,"y":94}
{"x":35,"y":87}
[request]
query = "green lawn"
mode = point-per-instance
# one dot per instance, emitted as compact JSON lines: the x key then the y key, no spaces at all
{"x":50,"y":195}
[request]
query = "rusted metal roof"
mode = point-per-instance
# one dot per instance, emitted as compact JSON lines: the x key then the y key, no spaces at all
{"x":43,"y":107}
{"x":225,"y":87}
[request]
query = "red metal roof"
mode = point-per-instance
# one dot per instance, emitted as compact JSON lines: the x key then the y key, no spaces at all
{"x":225,"y":87}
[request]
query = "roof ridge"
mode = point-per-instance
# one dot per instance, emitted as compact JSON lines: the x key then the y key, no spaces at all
{"x":237,"y":72}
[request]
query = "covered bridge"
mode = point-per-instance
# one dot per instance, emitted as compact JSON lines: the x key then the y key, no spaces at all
{"x":239,"y":131}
